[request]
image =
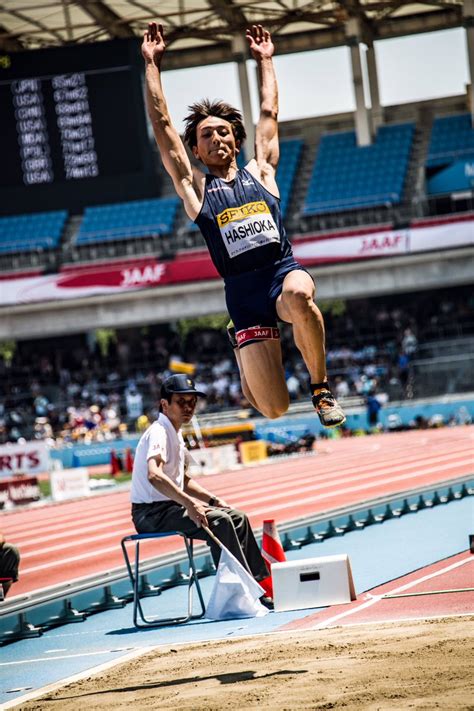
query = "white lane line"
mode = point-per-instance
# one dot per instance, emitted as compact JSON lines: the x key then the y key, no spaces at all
{"x":351,"y":489}
{"x":334,"y":468}
{"x":63,"y":656}
{"x":378,"y":476}
{"x":308,"y":469}
{"x":79,"y":542}
{"x":373,"y":599}
{"x":317,"y":480}
{"x":73,"y":559}
{"x":254,"y":512}
{"x":78,"y":677}
{"x":71,"y":528}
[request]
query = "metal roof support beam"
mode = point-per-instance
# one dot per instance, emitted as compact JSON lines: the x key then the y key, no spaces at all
{"x":107,"y":18}
{"x":9,"y":43}
{"x":377,"y":113}
{"x":232,"y":14}
{"x":240,"y":52}
{"x":363,"y":124}
{"x":468,"y":15}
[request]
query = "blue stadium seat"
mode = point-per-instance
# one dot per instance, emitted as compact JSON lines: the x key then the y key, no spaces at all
{"x":24,"y":233}
{"x":452,"y":138}
{"x":347,"y":176}
{"x":126,"y":220}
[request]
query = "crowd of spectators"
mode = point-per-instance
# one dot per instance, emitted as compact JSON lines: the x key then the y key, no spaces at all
{"x":80,"y":388}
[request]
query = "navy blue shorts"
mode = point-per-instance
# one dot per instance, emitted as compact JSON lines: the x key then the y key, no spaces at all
{"x":251,"y":299}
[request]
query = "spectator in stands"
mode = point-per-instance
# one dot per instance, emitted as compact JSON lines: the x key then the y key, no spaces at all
{"x":342,"y":387}
{"x":409,"y":342}
{"x":239,"y":215}
{"x":165,"y":498}
{"x":9,"y":564}
{"x":373,"y":409}
{"x":134,"y":402}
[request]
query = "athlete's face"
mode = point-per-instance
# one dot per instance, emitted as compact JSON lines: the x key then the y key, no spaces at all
{"x":215,"y":141}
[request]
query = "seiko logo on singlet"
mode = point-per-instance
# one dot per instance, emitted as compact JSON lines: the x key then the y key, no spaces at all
{"x":247,"y":227}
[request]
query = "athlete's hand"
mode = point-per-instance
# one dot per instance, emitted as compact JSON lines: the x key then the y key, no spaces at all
{"x":260,"y":42}
{"x":153,"y":46}
{"x":197,"y":513}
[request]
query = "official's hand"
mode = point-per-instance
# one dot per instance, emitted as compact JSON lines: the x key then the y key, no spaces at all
{"x":197,"y":513}
{"x":260,"y":42}
{"x":220,"y":503}
{"x":153,"y":46}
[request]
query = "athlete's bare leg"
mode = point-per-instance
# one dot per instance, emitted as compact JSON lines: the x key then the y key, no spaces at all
{"x":263,"y":378}
{"x":295,"y":305}
{"x":243,"y":380}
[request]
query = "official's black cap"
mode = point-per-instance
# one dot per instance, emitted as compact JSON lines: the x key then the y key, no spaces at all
{"x":179,"y":383}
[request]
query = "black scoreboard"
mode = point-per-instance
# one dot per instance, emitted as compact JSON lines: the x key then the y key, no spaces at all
{"x":73,"y":128}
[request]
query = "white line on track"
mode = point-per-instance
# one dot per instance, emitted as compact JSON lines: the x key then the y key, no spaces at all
{"x":307,"y":484}
{"x":77,"y":677}
{"x":62,"y":656}
{"x":367,"y":486}
{"x":374,"y":599}
{"x":263,"y":511}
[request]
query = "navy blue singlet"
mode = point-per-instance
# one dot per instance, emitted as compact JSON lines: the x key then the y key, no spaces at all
{"x":242,"y":225}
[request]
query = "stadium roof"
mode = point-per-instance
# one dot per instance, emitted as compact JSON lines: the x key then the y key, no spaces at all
{"x":201,"y":31}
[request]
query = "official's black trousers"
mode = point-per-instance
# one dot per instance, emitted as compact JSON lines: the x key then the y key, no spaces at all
{"x":229,"y":525}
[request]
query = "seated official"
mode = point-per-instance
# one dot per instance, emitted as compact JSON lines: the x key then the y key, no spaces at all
{"x":165,"y":498}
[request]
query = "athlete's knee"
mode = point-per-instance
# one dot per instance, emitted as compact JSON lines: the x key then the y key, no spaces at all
{"x":298,"y":299}
{"x":275,"y":408}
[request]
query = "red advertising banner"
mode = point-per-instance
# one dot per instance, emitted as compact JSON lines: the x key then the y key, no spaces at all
{"x":313,"y":250}
{"x":28,"y":458}
{"x":19,"y":490}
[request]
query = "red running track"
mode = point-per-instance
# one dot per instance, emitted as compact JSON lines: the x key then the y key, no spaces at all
{"x":439,"y":590}
{"x":65,"y":542}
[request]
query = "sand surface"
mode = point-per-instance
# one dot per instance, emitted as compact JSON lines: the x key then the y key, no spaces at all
{"x":410,"y":665}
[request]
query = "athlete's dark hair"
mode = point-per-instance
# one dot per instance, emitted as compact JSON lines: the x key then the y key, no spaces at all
{"x":202,"y":109}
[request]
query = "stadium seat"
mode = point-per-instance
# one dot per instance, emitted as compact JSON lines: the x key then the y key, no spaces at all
{"x":126,"y":220}
{"x":134,"y":575}
{"x":24,"y":233}
{"x":452,"y":138}
{"x":346,"y":176}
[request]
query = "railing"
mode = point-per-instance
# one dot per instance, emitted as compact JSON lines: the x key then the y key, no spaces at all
{"x":386,"y":199}
{"x":138,"y":230}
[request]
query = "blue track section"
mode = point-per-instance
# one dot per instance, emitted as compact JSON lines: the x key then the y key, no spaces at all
{"x":378,"y":553}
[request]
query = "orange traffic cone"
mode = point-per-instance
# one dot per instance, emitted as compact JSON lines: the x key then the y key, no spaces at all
{"x":272,"y":552}
{"x":128,"y":460}
{"x":115,"y":467}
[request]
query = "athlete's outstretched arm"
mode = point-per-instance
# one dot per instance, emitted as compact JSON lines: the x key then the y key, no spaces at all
{"x":170,"y":145}
{"x":267,"y":150}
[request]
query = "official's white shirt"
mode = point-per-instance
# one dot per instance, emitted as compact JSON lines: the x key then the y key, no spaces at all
{"x":160,"y":439}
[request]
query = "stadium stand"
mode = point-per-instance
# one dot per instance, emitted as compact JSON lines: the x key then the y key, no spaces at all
{"x":51,"y":386}
{"x":139,"y":218}
{"x":290,"y":152}
{"x":450,"y":159}
{"x":346,"y":176}
{"x":452,"y":138}
{"x":25,"y":233}
{"x":417,"y":167}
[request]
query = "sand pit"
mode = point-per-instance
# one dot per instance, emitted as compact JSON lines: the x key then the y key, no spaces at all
{"x":409,"y":665}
